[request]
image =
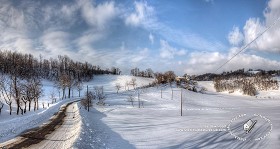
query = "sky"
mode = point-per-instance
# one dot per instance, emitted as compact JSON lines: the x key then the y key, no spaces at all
{"x":186,"y":36}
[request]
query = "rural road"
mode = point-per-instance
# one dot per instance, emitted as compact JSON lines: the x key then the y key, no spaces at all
{"x":59,"y":133}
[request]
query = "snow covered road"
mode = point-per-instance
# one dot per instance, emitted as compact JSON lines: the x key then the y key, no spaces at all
{"x":60,"y":132}
{"x":66,"y":134}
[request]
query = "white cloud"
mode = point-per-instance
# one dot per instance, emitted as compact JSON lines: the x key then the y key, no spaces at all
{"x":188,"y":39}
{"x":151,"y":38}
{"x":181,"y":52}
{"x":142,"y":13}
{"x":235,"y":37}
{"x":167,"y":51}
{"x":269,"y":41}
{"x":200,"y":63}
{"x":54,"y":41}
{"x":180,"y":62}
{"x":141,"y":55}
{"x":98,"y":16}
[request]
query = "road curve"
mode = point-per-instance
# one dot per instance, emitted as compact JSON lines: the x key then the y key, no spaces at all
{"x":60,"y":132}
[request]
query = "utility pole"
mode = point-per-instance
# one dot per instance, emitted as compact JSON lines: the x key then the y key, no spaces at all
{"x":172,"y":93}
{"x":161,"y":92}
{"x":87,"y":98}
{"x":138,"y":99}
{"x":181,"y":104}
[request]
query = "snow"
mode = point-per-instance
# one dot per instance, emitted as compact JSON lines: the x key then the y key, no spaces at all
{"x":13,"y":125}
{"x":66,"y":134}
{"x":210,"y":120}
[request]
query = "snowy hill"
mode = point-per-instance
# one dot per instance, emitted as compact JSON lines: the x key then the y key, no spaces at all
{"x":209,"y":120}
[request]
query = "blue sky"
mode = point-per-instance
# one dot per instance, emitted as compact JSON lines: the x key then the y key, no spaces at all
{"x":187,"y":36}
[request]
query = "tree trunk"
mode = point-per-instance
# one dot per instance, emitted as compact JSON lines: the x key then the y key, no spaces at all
{"x":35,"y":105}
{"x":18,"y":108}
{"x":10,"y":105}
{"x":29,"y":106}
{"x":63,"y":93}
{"x":1,"y":108}
{"x":24,"y":110}
{"x":21,"y":110}
{"x":69,"y":92}
{"x":79,"y":93}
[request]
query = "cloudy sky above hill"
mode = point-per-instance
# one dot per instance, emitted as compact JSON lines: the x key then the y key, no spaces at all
{"x":187,"y":36}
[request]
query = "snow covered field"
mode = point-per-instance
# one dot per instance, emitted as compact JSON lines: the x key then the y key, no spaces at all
{"x":210,"y":120}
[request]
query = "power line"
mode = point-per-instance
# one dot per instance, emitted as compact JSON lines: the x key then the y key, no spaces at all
{"x":247,"y":45}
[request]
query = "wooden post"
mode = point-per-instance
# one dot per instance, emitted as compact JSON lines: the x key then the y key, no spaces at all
{"x":181,"y":104}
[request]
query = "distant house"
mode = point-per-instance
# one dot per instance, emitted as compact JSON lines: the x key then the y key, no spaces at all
{"x":179,"y":78}
{"x":253,"y":71}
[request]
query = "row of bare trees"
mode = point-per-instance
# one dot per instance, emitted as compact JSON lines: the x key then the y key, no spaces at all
{"x":145,"y":73}
{"x":21,"y":92}
{"x":248,"y":85}
{"x":26,"y":66}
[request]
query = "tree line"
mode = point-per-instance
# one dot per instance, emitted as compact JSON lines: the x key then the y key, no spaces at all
{"x":236,"y":73}
{"x":148,"y":73}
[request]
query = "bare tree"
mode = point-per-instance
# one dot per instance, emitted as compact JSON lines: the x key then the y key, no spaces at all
{"x":79,"y":86}
{"x":170,"y":77}
{"x":99,"y":93}
{"x":70,"y":84}
{"x":87,"y":100}
{"x":133,"y":82}
{"x":62,"y":83}
{"x":24,"y":99}
{"x":131,"y":99}
{"x":31,"y":91}
{"x":36,"y":91}
{"x":127,"y":85}
{"x":6,"y":91}
{"x":52,"y":96}
{"x":118,"y":87}
{"x":17,"y":93}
